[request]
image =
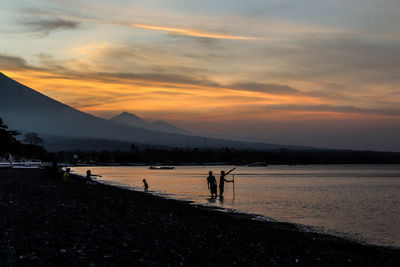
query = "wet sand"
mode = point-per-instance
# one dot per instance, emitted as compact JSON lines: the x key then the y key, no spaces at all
{"x":47,"y":222}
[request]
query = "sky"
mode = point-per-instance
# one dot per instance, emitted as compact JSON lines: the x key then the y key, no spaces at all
{"x":298,"y":72}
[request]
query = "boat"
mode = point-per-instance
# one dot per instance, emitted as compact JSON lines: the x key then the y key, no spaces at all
{"x":257,"y":164}
{"x":161,"y":168}
{"x":5,"y":164}
{"x":32,"y":164}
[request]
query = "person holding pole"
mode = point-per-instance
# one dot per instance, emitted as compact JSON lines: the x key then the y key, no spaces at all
{"x":222,"y":180}
{"x":233,"y":187}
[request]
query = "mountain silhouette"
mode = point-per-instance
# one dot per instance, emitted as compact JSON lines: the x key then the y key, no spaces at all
{"x":161,"y":126}
{"x":25,"y":110}
{"x":131,"y":119}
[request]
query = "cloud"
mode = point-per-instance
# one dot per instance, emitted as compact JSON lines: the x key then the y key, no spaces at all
{"x":335,"y":109}
{"x":53,"y":69}
{"x":48,"y":25}
{"x":130,"y":62}
{"x":264,"y":88}
{"x":13,"y":63}
{"x":162,"y":77}
{"x":113,"y":60}
{"x":354,"y":57}
{"x":190,"y":32}
{"x":72,"y":11}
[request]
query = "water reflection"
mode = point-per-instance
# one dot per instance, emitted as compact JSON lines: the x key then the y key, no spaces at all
{"x":212,"y":200}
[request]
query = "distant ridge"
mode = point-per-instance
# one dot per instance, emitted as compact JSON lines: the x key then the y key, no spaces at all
{"x":161,"y":126}
{"x":130,"y":118}
{"x":25,"y":109}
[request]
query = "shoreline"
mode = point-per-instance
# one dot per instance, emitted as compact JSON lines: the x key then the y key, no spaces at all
{"x":262,"y":218}
{"x":356,"y":232}
{"x":48,"y":222}
{"x":251,"y":216}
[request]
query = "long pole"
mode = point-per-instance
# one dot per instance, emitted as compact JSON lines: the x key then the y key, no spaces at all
{"x":233,"y":185}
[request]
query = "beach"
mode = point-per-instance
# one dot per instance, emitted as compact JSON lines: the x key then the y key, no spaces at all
{"x":45,"y":221}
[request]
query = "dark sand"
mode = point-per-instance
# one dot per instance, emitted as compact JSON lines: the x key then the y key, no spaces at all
{"x":44,"y":221}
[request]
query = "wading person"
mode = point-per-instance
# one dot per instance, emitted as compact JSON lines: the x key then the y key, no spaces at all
{"x":145,"y":185}
{"x":222,"y":180}
{"x":212,"y":184}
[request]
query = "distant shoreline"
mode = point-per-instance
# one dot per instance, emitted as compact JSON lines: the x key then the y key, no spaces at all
{"x":49,"y":222}
{"x":223,"y":164}
{"x":163,"y":156}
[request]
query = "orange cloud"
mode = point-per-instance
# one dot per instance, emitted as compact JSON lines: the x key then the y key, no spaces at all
{"x":106,"y":96}
{"x":190,"y":32}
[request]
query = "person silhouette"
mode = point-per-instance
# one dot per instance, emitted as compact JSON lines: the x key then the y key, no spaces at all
{"x":145,"y":185}
{"x":222,"y":180}
{"x":54,"y":170}
{"x":88,"y":177}
{"x":212,"y":184}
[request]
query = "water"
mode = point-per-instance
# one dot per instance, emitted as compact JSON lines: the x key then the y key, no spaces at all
{"x":357,"y":201}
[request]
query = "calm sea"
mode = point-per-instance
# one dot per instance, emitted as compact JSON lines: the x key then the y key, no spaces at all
{"x":357,"y":201}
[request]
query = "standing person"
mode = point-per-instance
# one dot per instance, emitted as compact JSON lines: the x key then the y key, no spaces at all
{"x":222,"y":180}
{"x":145,"y":185}
{"x":212,"y":184}
{"x":54,"y":171}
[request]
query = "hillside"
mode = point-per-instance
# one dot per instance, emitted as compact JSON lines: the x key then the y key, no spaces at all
{"x":160,"y":126}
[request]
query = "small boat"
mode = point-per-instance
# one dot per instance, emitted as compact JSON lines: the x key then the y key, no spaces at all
{"x":161,"y":168}
{"x":32,"y":164}
{"x":5,"y":164}
{"x":257,"y":164}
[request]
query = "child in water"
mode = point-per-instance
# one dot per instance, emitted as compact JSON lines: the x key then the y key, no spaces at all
{"x":145,"y":185}
{"x":88,"y":177}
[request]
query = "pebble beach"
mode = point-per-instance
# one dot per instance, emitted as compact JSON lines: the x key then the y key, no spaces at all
{"x":47,"y":222}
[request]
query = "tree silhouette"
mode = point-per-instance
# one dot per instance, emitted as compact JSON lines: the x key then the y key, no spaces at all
{"x":134,"y":148}
{"x":7,"y":138}
{"x":33,"y":138}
